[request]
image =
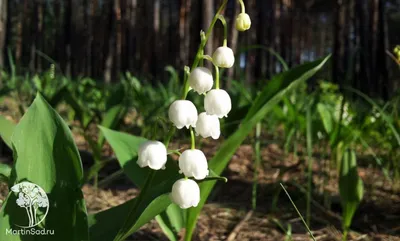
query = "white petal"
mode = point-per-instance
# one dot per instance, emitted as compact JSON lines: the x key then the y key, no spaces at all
{"x":152,"y":154}
{"x":208,"y":125}
{"x":193,"y":163}
{"x":223,"y":57}
{"x":183,"y":113}
{"x":217,"y":102}
{"x":201,"y":80}
{"x":185,"y":193}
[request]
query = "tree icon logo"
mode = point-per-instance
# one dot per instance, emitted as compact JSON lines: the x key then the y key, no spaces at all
{"x":35,"y":201}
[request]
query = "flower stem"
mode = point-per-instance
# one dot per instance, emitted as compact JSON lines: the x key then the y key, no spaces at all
{"x":223,"y":21}
{"x":174,"y":152}
{"x":203,"y":42}
{"x":207,"y":57}
{"x":123,"y":232}
{"x":242,"y":6}
{"x":169,"y":135}
{"x":192,"y":137}
{"x":216,"y":77}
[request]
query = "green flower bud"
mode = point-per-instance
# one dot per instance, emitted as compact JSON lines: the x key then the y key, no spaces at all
{"x":243,"y":22}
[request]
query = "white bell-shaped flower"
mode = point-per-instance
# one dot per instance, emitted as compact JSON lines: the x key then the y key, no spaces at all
{"x":243,"y":22}
{"x":208,"y":125}
{"x":152,"y":154}
{"x":193,"y":163}
{"x":217,"y":102}
{"x":185,"y":193}
{"x":201,"y":80}
{"x":223,"y":57}
{"x":183,"y":113}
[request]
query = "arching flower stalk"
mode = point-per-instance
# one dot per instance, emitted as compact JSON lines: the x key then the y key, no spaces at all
{"x":183,"y":113}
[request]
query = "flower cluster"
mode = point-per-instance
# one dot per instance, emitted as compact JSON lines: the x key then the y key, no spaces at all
{"x":217,"y":104}
{"x":183,"y":113}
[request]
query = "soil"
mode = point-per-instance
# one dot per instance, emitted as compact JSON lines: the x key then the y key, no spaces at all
{"x":228,"y":214}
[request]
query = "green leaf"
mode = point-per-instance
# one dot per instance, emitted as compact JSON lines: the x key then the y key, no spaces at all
{"x":326,"y":117}
{"x":274,"y":92}
{"x":172,"y":221}
{"x":6,"y":130}
{"x":351,"y":187}
{"x":126,"y":149}
{"x":111,"y":120}
{"x":45,"y":154}
{"x":385,"y":116}
{"x":106,"y":224}
{"x":58,"y":96}
{"x":117,"y":96}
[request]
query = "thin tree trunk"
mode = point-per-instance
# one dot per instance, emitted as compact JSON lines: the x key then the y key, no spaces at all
{"x":89,"y":16}
{"x":67,"y":36}
{"x":338,"y":49}
{"x":157,"y":50}
{"x":208,"y":14}
{"x":3,"y":31}
{"x":39,"y":39}
{"x":132,"y":42}
{"x":184,"y":38}
{"x":118,"y":29}
{"x":383,"y":77}
{"x":251,"y":40}
{"x":374,"y":13}
{"x":110,"y":49}
{"x":234,"y":37}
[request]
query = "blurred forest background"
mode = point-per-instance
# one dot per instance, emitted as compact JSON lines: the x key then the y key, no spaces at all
{"x":103,"y":38}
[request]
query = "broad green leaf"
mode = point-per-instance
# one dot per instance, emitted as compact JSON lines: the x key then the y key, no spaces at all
{"x":45,"y":154}
{"x":106,"y":224}
{"x":282,"y":81}
{"x":172,"y":221}
{"x":126,"y":148}
{"x":351,"y":187}
{"x":326,"y":117}
{"x":233,"y":120}
{"x":274,"y":92}
{"x":111,"y":120}
{"x":6,"y":130}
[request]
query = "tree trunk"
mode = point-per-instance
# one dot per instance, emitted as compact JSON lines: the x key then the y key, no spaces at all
{"x":3,"y":31}
{"x":131,"y":36}
{"x":234,"y":37}
{"x":184,"y":38}
{"x":110,"y":43}
{"x":157,"y":50}
{"x":208,"y":14}
{"x":251,"y":8}
{"x":118,"y":33}
{"x":383,"y":78}
{"x":338,"y":45}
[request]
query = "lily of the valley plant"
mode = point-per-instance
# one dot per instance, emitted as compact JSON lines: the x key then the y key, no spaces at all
{"x":183,"y":113}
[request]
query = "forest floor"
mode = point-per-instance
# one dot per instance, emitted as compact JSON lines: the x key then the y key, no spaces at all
{"x":228,"y":214}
